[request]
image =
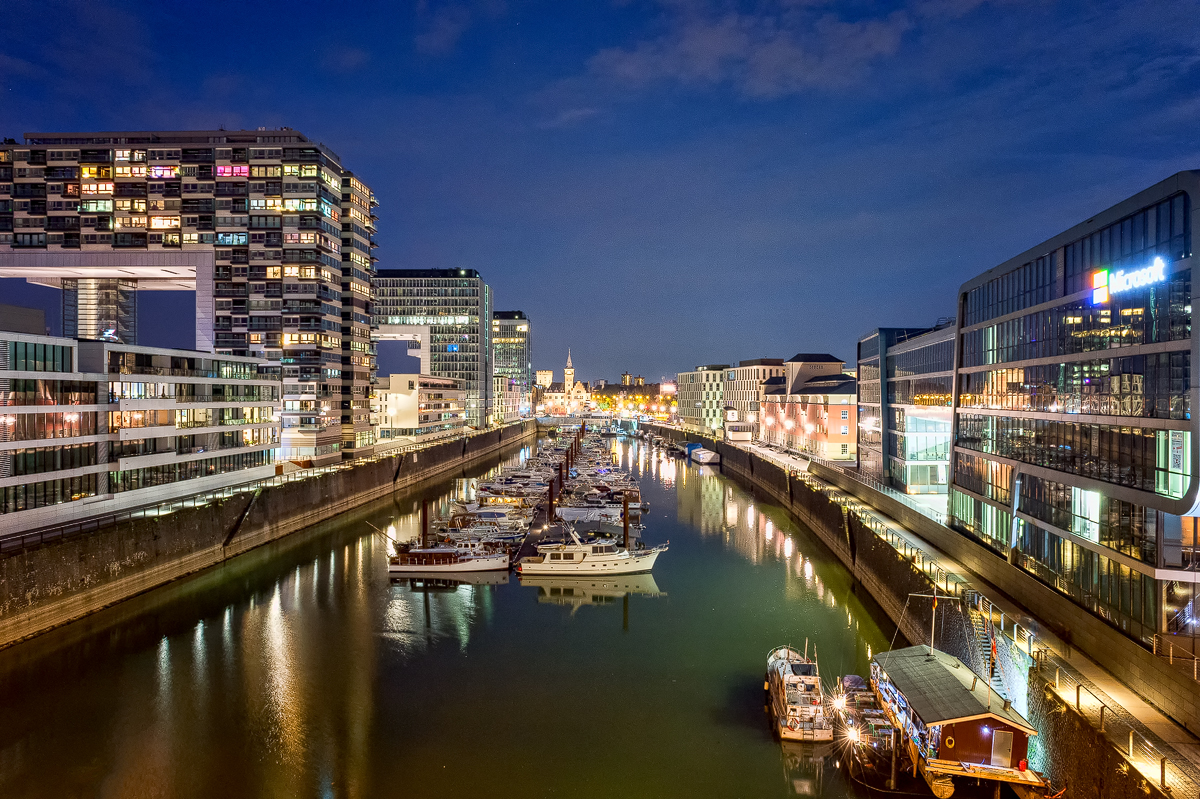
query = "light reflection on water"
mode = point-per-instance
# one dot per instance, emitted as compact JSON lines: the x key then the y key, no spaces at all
{"x":305,"y":671}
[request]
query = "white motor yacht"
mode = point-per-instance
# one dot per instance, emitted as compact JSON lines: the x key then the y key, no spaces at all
{"x":796,"y":700}
{"x":580,"y":557}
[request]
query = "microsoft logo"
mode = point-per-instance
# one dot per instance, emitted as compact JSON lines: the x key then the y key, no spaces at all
{"x":1100,"y":287}
{"x":1104,"y":284}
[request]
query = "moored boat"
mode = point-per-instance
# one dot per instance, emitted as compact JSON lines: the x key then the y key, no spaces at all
{"x":576,"y":556}
{"x":795,"y":698}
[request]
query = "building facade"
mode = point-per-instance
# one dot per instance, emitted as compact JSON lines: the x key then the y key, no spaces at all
{"x":507,"y":400}
{"x":456,"y":306}
{"x":512,"y":353}
{"x":813,"y":410}
{"x":741,"y":393}
{"x":1074,"y":443}
{"x":122,"y":426}
{"x":700,"y":398}
{"x":267,"y":226}
{"x":413,"y":408}
{"x":905,"y":393}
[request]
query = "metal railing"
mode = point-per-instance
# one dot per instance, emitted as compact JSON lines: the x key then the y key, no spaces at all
{"x":1177,"y":656}
{"x":1152,"y":757}
{"x":882,"y":488}
{"x":15,"y":542}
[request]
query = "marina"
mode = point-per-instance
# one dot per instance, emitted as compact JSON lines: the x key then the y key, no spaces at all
{"x":311,"y":670}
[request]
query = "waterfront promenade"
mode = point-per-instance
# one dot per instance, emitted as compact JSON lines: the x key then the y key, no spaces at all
{"x":1146,"y":737}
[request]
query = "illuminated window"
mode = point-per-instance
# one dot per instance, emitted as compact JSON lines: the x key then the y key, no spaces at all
{"x":265,"y":171}
{"x":164,"y":222}
{"x":300,"y":238}
{"x":131,"y":171}
{"x":97,"y":188}
{"x":291,"y":170}
{"x":291,"y":271}
{"x":233,"y":171}
{"x":131,"y":221}
{"x":96,"y":206}
{"x":308,"y":171}
{"x":233,"y":238}
{"x":160,"y":172}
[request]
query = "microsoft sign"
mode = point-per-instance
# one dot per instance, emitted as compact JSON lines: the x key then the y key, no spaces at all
{"x":1105,"y":283}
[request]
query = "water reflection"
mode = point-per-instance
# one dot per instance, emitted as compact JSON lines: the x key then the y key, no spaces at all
{"x":575,"y":592}
{"x":302,"y":670}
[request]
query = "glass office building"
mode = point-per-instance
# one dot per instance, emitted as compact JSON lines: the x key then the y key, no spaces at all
{"x":512,"y":355}
{"x":905,"y":386}
{"x":456,"y":306}
{"x":1073,"y":439}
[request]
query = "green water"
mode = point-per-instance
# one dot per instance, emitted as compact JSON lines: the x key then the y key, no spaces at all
{"x":300,"y":670}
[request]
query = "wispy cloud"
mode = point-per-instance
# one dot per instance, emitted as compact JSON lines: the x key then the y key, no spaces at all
{"x":441,"y":28}
{"x":784,"y":48}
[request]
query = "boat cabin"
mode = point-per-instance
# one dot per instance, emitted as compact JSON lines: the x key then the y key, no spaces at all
{"x":954,"y":723}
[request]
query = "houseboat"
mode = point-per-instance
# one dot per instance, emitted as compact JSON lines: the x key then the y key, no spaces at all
{"x":705,"y":457}
{"x":958,"y":731}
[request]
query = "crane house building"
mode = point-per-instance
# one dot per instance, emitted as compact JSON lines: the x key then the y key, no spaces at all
{"x":1074,"y":444}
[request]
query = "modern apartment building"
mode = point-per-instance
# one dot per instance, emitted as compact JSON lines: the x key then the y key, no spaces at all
{"x":512,"y":355}
{"x":741,"y":392}
{"x":701,"y":399}
{"x":905,"y":389}
{"x":90,"y":427}
{"x":507,"y":400}
{"x":267,"y":226}
{"x":456,"y":306}
{"x":409,"y":409}
{"x":1074,"y":442}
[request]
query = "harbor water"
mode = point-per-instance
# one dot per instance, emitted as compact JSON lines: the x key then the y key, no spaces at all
{"x":301,"y":670}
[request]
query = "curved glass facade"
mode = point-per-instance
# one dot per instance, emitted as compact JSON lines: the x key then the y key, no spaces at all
{"x":1073,"y":431}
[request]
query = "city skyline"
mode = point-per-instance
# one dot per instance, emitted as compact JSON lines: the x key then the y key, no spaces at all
{"x":709,"y":155}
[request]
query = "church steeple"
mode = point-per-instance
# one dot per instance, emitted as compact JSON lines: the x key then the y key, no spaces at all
{"x":568,"y":357}
{"x":568,"y":374}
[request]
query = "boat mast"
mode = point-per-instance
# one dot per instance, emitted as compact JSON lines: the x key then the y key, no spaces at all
{"x":933,"y":620}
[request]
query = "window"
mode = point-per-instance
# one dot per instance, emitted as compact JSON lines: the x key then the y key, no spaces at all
{"x":230,"y":171}
{"x":164,"y":222}
{"x":97,"y":188}
{"x":845,"y":449}
{"x":845,"y":429}
{"x":96,"y":206}
{"x":845,"y":414}
{"x":162,"y":172}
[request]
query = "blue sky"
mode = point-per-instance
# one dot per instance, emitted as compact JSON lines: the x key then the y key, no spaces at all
{"x":663,"y":183}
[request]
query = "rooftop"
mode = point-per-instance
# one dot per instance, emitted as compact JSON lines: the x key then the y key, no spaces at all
{"x":509,"y":315}
{"x":941,"y":689}
{"x":814,"y":357}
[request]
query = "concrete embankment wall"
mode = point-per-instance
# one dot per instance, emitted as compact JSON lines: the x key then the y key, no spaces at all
{"x":57,"y":583}
{"x":1073,"y":753}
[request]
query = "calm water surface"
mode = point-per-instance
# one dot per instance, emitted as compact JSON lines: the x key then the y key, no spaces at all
{"x":301,"y":670}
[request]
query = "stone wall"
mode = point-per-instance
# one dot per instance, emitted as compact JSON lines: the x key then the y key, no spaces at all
{"x":1072,"y":753}
{"x":1167,"y":688}
{"x":57,"y":583}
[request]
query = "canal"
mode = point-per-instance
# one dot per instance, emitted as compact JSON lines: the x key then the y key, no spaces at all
{"x":300,"y":670}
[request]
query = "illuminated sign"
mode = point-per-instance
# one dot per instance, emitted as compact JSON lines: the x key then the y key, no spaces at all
{"x":1105,"y":283}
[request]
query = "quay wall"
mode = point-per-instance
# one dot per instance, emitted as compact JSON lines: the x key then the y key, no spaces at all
{"x":1072,"y":753}
{"x":57,"y":583}
{"x":1167,"y":687}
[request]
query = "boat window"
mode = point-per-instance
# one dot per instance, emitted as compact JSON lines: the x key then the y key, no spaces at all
{"x":803,"y":670}
{"x":568,"y":556}
{"x":555,"y":556}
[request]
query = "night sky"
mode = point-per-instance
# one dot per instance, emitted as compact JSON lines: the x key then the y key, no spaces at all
{"x":658,"y":184}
